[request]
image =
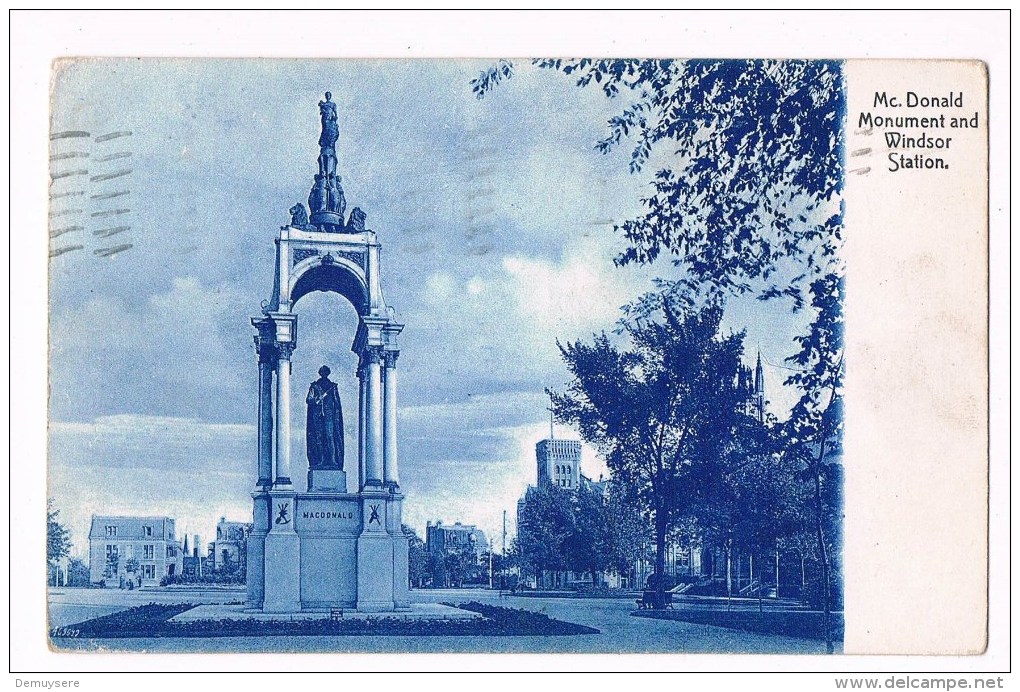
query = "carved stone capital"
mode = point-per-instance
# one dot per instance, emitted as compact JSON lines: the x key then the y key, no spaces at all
{"x":285,"y":349}
{"x":373,"y":354}
{"x":390,"y":358}
{"x":266,"y":350}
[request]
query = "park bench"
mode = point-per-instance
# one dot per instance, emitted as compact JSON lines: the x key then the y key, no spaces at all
{"x":647,"y":600}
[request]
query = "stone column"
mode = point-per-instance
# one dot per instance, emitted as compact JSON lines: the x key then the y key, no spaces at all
{"x":283,"y":415}
{"x":374,"y":427}
{"x":390,"y":475}
{"x":265,"y":429}
{"x":362,"y":428}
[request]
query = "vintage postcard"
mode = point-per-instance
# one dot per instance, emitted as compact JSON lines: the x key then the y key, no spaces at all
{"x":532,"y":355}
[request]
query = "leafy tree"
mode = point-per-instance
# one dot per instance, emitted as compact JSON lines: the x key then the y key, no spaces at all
{"x":544,"y":527}
{"x":815,"y":428}
{"x":628,"y":528}
{"x":745,"y":198}
{"x":461,"y":567}
{"x":77,"y":573}
{"x":436,"y":565}
{"x":500,"y":565}
{"x":417,"y":557}
{"x":58,"y":539}
{"x":131,"y":566}
{"x":766,"y":495}
{"x":589,"y":545}
{"x":660,"y":413}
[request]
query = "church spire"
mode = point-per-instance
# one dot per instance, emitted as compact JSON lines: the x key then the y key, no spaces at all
{"x":759,"y":376}
{"x":759,"y":389}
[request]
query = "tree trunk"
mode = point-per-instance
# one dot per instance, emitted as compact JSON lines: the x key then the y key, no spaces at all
{"x":819,"y":527}
{"x":660,"y":560}
{"x":761,"y":590}
{"x":777,"y":570}
{"x":729,"y":574}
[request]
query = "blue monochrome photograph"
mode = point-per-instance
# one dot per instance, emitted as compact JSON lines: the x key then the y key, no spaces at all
{"x":405,"y":356}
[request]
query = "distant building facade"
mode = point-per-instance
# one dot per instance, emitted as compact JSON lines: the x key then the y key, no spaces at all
{"x":559,"y":463}
{"x":133,"y":551}
{"x":229,"y":549}
{"x":454,"y":538}
{"x":460,"y":551}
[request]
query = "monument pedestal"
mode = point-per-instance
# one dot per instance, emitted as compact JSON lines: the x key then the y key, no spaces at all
{"x":282,"y":551}
{"x":338,"y":551}
{"x":328,"y":480}
{"x":256,"y":555}
{"x":375,"y":574}
{"x":283,"y":575}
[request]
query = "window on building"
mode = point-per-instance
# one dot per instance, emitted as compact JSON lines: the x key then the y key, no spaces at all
{"x":170,"y":552}
{"x":148,"y":571}
{"x":111,"y":551}
{"x":111,"y":530}
{"x":147,"y":531}
{"x":149,"y":552}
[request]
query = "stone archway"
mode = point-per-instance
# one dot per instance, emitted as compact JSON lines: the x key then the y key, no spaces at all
{"x":348,"y":265}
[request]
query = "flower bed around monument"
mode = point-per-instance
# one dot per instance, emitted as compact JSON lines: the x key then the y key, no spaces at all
{"x":153,"y":620}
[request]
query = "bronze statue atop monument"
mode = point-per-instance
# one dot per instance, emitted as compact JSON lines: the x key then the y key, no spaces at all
{"x":326,"y":200}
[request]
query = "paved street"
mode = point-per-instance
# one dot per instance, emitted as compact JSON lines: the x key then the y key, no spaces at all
{"x":619,"y":632}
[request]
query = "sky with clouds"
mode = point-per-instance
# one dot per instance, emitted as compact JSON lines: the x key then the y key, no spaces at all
{"x":496,"y":219}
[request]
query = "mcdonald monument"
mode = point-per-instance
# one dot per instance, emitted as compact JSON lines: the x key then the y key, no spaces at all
{"x":339,"y":544}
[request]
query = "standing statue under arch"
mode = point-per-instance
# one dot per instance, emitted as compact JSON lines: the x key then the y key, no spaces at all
{"x":325,"y":424}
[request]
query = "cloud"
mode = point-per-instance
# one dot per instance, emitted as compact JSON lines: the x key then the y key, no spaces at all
{"x":177,"y":353}
{"x":581,"y":293}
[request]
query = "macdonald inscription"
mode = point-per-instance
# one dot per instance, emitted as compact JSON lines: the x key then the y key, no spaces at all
{"x":327,"y":515}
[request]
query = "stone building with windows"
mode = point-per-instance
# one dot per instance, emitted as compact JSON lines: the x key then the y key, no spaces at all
{"x":456,"y":537}
{"x":229,"y":549}
{"x":559,"y":462}
{"x":463,"y":548}
{"x":131,"y":552}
